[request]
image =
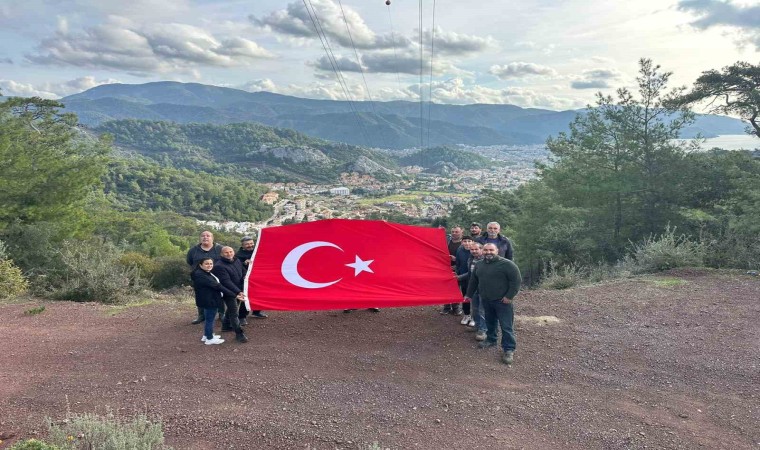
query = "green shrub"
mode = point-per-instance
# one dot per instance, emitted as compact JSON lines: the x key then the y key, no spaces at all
{"x":33,"y":444}
{"x":12,"y":281}
{"x":663,"y":252}
{"x":34,"y":311}
{"x":172,"y":271}
{"x":33,"y":247}
{"x":730,"y":249}
{"x":91,"y":271}
{"x":563,"y":277}
{"x":142,"y":263}
{"x":90,"y":431}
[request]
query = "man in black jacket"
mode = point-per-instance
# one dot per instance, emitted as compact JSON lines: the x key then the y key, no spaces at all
{"x":497,"y":280}
{"x":205,"y":249}
{"x":229,"y":270}
{"x":245,"y":254}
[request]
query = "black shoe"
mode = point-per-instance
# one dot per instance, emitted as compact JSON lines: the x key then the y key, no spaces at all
{"x":259,"y":315}
{"x":374,"y":309}
{"x":198,"y":320}
{"x":240,"y":337}
{"x":346,"y":311}
{"x":446,"y":310}
{"x":487,"y":344}
{"x":243,"y":322}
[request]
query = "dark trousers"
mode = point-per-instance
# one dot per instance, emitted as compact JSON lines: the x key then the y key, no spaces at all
{"x":231,"y":316}
{"x":504,"y":315}
{"x":244,"y":311}
{"x":465,"y":305}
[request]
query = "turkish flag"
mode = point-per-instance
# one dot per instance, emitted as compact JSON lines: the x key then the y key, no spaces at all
{"x":343,"y":264}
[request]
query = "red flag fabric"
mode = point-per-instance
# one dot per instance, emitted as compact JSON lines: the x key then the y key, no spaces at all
{"x":343,"y":264}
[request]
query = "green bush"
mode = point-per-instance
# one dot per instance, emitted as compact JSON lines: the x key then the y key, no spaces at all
{"x":142,"y":263}
{"x":734,"y":250}
{"x":12,"y":281}
{"x":33,"y":444}
{"x":171,"y":271}
{"x":663,"y":252}
{"x":33,"y":247}
{"x":90,"y":431}
{"x":91,"y":271}
{"x":563,"y":277}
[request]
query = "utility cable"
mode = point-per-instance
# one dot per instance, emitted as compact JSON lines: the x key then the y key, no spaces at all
{"x":432,"y":60}
{"x":334,"y":63}
{"x":393,"y":41}
{"x":422,"y":103}
{"x":361,"y":69}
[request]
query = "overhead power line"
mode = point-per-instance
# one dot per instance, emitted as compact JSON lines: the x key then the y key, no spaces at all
{"x":430,"y":86}
{"x":336,"y":68}
{"x":361,"y":69}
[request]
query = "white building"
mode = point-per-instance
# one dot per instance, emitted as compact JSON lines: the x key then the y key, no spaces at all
{"x":340,"y":191}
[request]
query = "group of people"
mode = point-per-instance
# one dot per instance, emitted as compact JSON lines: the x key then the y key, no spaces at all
{"x":218,"y":275}
{"x":481,"y":261}
{"x":489,"y":282}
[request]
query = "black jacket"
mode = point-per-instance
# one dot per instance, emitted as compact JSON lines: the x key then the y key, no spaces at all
{"x":196,"y":253}
{"x":504,"y":247}
{"x":243,"y":256}
{"x":208,"y":291}
{"x":230,"y":274}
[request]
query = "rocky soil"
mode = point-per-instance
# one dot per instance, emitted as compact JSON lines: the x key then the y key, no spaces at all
{"x":660,"y":362}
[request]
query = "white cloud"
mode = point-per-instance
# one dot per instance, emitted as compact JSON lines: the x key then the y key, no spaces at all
{"x":452,"y":43}
{"x":298,"y":21}
{"x":120,"y":44}
{"x":744,"y":18}
{"x":52,"y":90}
{"x":520,"y":70}
{"x":596,"y":79}
{"x":259,"y":85}
{"x":453,"y":91}
{"x":590,"y":84}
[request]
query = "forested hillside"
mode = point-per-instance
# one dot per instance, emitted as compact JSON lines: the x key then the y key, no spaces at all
{"x":248,"y":150}
{"x":137,"y":184}
{"x":462,"y":159}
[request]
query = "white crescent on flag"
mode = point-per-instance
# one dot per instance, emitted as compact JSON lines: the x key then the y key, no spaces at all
{"x":290,"y":265}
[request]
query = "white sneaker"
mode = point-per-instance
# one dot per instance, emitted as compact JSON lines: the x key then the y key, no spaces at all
{"x":204,"y":338}
{"x":465,"y":320}
{"x":471,"y":323}
{"x":214,"y":341}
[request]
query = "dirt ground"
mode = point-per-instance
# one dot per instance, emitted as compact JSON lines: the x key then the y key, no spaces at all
{"x":659,"y":362}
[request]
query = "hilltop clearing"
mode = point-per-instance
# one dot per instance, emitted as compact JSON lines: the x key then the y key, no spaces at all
{"x":671,"y":361}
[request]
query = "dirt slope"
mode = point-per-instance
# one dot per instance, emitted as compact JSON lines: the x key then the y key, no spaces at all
{"x":643,"y":363}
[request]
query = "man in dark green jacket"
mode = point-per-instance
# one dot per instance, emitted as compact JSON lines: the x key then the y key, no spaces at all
{"x":497,"y":280}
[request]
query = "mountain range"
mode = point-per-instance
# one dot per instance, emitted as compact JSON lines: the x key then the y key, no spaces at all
{"x":392,"y":125}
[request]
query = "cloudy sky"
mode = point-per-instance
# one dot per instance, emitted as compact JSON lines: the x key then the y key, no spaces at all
{"x":552,"y":54}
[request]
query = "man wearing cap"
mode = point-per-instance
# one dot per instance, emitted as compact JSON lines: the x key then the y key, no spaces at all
{"x":245,"y":254}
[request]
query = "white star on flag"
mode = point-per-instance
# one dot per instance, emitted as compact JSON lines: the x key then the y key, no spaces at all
{"x":361,"y":266}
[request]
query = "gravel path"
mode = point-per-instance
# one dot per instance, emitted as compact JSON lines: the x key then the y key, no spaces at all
{"x":660,"y":362}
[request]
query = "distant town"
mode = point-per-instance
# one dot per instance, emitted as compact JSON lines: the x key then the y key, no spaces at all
{"x":414,"y":192}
